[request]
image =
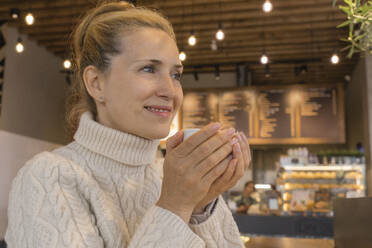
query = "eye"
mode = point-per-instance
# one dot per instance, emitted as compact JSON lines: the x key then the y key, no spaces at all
{"x":177,"y":76}
{"x":148,"y":68}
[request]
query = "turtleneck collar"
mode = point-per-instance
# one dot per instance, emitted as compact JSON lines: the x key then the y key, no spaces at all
{"x":120,"y":146}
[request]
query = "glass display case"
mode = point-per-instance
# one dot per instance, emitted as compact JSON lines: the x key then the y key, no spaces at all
{"x":310,"y":189}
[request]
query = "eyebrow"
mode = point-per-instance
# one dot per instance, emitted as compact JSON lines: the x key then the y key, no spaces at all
{"x":156,"y":61}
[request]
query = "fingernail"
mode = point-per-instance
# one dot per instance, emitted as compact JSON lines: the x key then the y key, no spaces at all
{"x":215,"y":126}
{"x":238,"y":147}
{"x":239,"y":136}
{"x":230,"y":132}
{"x":245,"y":137}
{"x":233,"y":141}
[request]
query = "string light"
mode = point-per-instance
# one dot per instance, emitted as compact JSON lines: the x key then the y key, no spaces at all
{"x":19,"y":46}
{"x":182,"y":56}
{"x":220,"y":35}
{"x":67,"y":64}
{"x":264,"y":59}
{"x":14,"y":13}
{"x":192,"y":39}
{"x":267,"y":6}
{"x":29,"y":19}
{"x":335,"y":59}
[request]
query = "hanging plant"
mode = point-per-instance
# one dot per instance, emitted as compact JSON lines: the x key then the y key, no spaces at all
{"x":359,"y":20}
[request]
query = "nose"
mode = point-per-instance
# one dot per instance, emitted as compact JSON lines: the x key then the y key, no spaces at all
{"x":167,"y":88}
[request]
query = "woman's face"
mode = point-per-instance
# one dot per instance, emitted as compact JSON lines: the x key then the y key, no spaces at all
{"x":142,"y":89}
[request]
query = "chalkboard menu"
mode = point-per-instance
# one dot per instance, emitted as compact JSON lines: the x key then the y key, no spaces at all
{"x":199,"y":109}
{"x":237,"y":109}
{"x":272,"y":115}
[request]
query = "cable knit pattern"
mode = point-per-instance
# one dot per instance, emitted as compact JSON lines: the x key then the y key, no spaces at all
{"x":100,"y":191}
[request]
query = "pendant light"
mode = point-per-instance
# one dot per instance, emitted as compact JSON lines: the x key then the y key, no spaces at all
{"x":19,"y":46}
{"x":267,"y":6}
{"x":335,"y":59}
{"x":192,"y":39}
{"x":220,"y":35}
{"x":264,"y":59}
{"x":29,"y":19}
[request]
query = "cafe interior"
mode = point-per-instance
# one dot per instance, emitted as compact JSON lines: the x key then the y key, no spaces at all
{"x":294,"y":75}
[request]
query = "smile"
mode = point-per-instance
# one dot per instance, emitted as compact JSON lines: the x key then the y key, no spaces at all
{"x":161,"y":111}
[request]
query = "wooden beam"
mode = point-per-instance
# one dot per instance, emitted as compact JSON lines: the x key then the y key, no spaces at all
{"x":39,"y":4}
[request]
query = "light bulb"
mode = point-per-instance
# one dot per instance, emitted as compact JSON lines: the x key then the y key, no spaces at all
{"x":335,"y":59}
{"x":14,"y":13}
{"x":192,"y":40}
{"x":220,"y":35}
{"x":182,"y":56}
{"x":19,"y":47}
{"x":267,"y":6}
{"x":264,"y":59}
{"x":67,"y":64}
{"x":29,"y":19}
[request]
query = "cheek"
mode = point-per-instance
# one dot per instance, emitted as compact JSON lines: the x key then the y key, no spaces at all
{"x":179,"y":98}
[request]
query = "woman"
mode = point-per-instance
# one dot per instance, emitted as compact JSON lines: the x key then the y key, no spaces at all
{"x":103,"y":189}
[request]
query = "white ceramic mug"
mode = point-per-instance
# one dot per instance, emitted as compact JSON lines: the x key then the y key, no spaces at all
{"x":189,"y":132}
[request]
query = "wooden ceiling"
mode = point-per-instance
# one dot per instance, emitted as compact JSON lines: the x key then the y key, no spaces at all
{"x":296,"y":33}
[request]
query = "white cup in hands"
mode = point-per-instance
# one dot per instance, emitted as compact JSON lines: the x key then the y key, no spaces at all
{"x":189,"y":132}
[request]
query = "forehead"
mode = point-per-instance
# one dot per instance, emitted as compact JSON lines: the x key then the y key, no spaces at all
{"x":149,"y":43}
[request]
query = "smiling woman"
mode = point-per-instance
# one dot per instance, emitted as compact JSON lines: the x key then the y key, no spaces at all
{"x":104,"y":189}
{"x":134,"y":97}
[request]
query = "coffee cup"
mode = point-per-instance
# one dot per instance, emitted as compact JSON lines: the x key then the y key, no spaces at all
{"x":189,"y":132}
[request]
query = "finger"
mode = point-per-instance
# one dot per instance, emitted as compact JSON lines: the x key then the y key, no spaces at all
{"x":221,"y":184}
{"x":249,"y":148}
{"x":244,"y":148}
{"x":174,"y":141}
{"x":216,"y":172}
{"x":209,"y":147}
{"x":216,"y":157}
{"x":226,"y":176}
{"x":186,"y":147}
{"x":239,"y":170}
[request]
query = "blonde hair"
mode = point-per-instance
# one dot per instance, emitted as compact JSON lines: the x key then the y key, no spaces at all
{"x":96,"y":39}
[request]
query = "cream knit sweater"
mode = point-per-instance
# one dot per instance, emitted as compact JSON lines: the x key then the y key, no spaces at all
{"x":100,"y":191}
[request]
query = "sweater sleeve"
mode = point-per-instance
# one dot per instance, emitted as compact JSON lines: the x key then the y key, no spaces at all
{"x":220,"y":229}
{"x":47,"y":210}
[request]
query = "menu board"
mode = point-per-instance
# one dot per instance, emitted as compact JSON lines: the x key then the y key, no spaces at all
{"x":275,"y":116}
{"x":278,"y":115}
{"x":319,"y":113}
{"x":237,"y":109}
{"x":199,"y":109}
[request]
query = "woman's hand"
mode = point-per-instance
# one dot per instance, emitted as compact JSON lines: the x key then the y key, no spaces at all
{"x":234,"y":171}
{"x":190,"y":167}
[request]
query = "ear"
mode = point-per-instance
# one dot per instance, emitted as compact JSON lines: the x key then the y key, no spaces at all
{"x":94,"y":83}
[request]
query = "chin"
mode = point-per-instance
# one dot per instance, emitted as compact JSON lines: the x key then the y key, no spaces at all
{"x":156,"y":133}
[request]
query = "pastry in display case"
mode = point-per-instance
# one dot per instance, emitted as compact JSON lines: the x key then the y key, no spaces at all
{"x":311,"y":189}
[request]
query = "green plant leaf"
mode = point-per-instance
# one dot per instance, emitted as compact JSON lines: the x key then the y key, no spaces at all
{"x":349,"y":2}
{"x":345,"y":48}
{"x":350,"y":54}
{"x":344,"y":24}
{"x":345,"y":9}
{"x":359,"y":37}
